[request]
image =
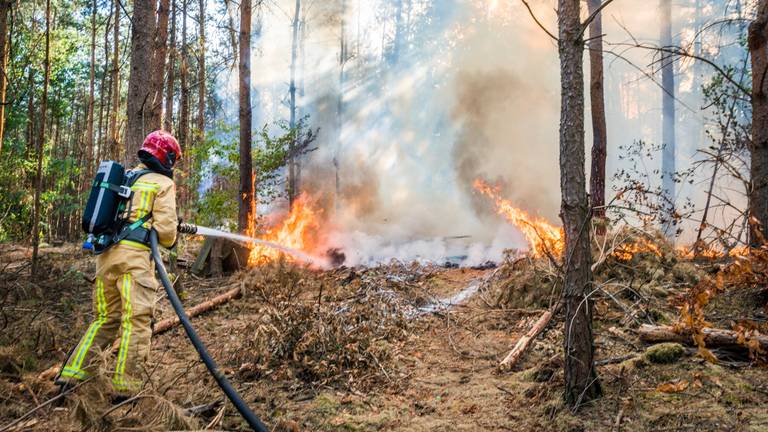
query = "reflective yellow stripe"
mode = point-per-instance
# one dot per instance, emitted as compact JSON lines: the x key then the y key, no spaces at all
{"x":101,"y":308}
{"x":142,"y":210}
{"x":125,"y":337}
{"x":146,"y":199}
{"x":134,"y":244}
{"x":74,"y":373}
{"x":121,"y":384}
{"x":147,"y":186}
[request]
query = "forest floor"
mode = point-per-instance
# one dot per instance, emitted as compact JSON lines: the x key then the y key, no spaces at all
{"x":366,"y":349}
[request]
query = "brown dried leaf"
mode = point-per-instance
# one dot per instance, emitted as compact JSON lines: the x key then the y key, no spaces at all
{"x":673,"y":386}
{"x":707,"y":355}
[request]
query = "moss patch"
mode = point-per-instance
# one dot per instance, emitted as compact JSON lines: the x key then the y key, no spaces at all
{"x":664,"y":352}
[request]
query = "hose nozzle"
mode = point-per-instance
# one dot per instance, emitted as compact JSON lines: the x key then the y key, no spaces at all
{"x":186,"y":228}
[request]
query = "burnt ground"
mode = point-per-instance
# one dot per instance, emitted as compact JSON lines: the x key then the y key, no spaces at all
{"x":350,"y":350}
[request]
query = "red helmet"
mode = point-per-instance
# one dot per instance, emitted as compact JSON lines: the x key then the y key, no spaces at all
{"x":163,"y":146}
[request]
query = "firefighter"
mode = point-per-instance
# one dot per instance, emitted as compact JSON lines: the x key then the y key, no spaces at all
{"x":124,"y":289}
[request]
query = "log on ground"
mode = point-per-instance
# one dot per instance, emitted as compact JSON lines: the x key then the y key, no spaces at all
{"x":713,"y":337}
{"x":522,"y":345}
{"x":203,"y":307}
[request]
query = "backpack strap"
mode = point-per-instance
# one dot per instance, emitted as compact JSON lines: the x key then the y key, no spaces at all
{"x":130,"y":230}
{"x":121,"y":190}
{"x":132,"y":176}
{"x":134,"y":231}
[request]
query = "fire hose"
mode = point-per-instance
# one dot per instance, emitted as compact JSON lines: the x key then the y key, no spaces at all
{"x":251,"y":418}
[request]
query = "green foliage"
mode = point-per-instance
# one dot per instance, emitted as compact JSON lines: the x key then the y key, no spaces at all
{"x":216,"y":171}
{"x":62,"y":170}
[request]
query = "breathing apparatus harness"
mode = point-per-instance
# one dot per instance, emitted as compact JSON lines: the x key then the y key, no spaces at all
{"x":108,"y":208}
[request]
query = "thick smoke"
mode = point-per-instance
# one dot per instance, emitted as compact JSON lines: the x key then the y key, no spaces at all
{"x":472,"y":90}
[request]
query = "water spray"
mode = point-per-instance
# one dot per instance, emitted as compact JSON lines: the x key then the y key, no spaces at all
{"x":186,"y":228}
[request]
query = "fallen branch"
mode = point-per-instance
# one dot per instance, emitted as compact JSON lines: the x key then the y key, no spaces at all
{"x":712,"y":336}
{"x":42,"y":405}
{"x":203,"y":307}
{"x":522,"y":345}
{"x":169,"y":323}
{"x":614,"y":360}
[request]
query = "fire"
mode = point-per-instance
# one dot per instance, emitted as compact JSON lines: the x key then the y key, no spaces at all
{"x":545,"y":238}
{"x":710,"y":252}
{"x":626,"y":251}
{"x":299,"y":230}
{"x":542,"y":236}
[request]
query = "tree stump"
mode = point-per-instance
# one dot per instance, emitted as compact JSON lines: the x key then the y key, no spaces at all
{"x":219,"y":257}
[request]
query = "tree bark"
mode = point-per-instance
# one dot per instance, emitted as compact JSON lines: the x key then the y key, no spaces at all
{"x":103,"y":95}
{"x":31,"y":124}
{"x":597,"y":103}
{"x":292,"y":91}
{"x":5,"y":7}
{"x":169,"y":91}
{"x":581,"y":383}
{"x":158,"y":64}
{"x":232,"y":32}
{"x":758,"y":197}
{"x":183,"y":135}
{"x":201,"y":89}
{"x":668,"y":120}
{"x":41,"y":142}
{"x":246,"y":197}
{"x":140,"y":78}
{"x":89,"y":139}
{"x":114,"y":136}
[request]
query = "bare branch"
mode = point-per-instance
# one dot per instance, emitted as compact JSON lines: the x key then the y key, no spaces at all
{"x":592,"y":17}
{"x":536,"y":20}
{"x":680,"y":52}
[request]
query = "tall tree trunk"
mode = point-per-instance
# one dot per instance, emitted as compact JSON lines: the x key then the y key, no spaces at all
{"x":581,"y":382}
{"x":140,"y":78}
{"x":246,"y":196}
{"x":158,"y":64}
{"x":183,"y":136}
{"x":114,"y":136}
{"x":597,"y":103}
{"x":232,"y":32}
{"x":5,"y":7}
{"x":170,"y":89}
{"x":300,"y":108}
{"x":103,"y":94}
{"x":292,"y":91}
{"x":31,"y":123}
{"x":89,"y":139}
{"x":41,"y":142}
{"x":668,"y":120}
{"x":343,"y":57}
{"x":397,"y":43}
{"x":201,"y":89}
{"x":758,"y":197}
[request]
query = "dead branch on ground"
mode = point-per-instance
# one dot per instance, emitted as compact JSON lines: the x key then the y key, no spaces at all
{"x":522,"y":344}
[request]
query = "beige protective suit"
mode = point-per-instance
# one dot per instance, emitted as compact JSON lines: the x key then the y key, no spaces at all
{"x":124,"y":291}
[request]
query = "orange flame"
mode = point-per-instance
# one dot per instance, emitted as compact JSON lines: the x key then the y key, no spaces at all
{"x":705,"y":251}
{"x":542,"y":236}
{"x":299,"y":230}
{"x":625,"y":251}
